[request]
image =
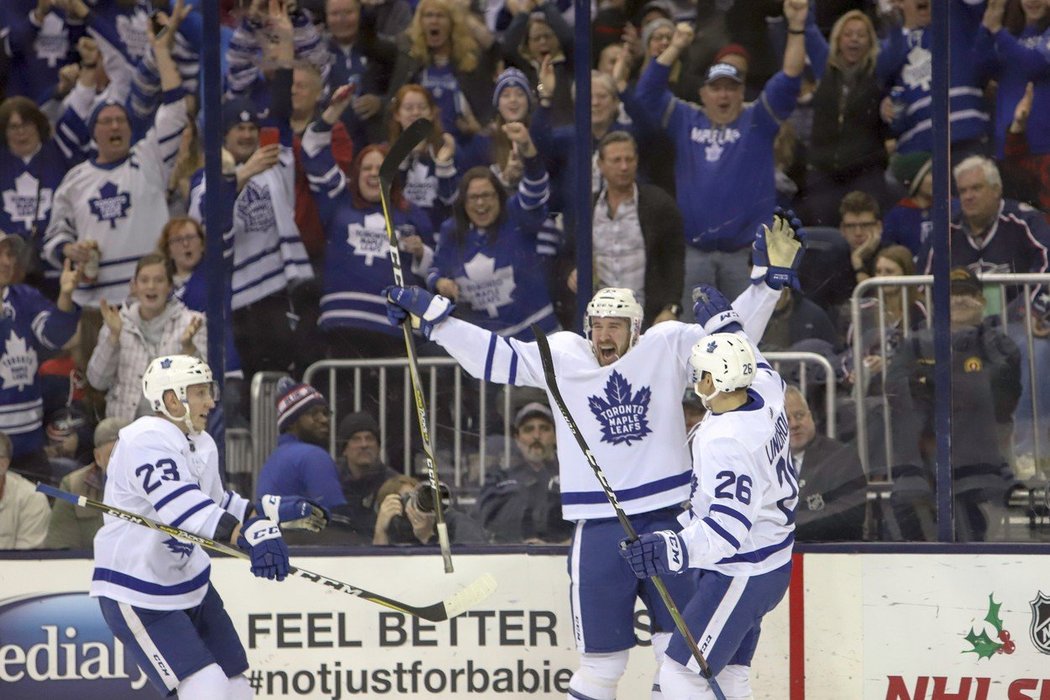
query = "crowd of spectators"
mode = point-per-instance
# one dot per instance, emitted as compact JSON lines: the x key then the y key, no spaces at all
{"x":705,"y":116}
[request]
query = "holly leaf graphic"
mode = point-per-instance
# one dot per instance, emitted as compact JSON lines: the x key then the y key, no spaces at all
{"x":982,"y":644}
{"x":993,"y":614}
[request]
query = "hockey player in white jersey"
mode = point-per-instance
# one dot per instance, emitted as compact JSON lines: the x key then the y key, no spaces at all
{"x":739,"y":529}
{"x":154,"y":590}
{"x":624,"y":390}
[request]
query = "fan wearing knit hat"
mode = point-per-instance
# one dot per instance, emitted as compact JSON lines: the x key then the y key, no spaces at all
{"x":300,"y":464}
{"x":361,"y":469}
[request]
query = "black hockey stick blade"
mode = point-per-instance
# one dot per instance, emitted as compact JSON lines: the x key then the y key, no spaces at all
{"x":409,"y":139}
{"x":456,"y":604}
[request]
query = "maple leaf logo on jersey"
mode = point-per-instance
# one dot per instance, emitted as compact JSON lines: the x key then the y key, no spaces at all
{"x":183,"y":549}
{"x":420,"y":186}
{"x":27,"y":201}
{"x":18,"y":364}
{"x":918,"y":71}
{"x":485,"y":286}
{"x":368,"y":239}
{"x":623,"y":415}
{"x":111,"y":204}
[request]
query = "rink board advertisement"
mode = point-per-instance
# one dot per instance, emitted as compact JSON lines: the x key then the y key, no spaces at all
{"x":927,"y":627}
{"x":304,"y":641}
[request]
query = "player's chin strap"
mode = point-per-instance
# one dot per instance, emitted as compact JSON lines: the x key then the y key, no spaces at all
{"x":705,"y":399}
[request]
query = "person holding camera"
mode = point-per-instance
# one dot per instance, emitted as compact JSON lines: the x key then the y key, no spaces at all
{"x":406,"y":515}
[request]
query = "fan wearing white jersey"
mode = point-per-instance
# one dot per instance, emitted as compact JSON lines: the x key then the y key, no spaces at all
{"x":154,"y":590}
{"x":739,"y":529}
{"x":624,"y":390}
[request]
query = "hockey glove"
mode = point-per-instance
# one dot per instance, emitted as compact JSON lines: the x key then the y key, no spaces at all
{"x":712,"y":311}
{"x":426,"y":309}
{"x":777,"y":252}
{"x":293,"y":512}
{"x":655,"y":554}
{"x":261,"y":538}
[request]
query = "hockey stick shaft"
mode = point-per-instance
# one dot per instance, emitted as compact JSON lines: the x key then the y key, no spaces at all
{"x":408,"y":140}
{"x":679,"y":621}
{"x":456,"y":604}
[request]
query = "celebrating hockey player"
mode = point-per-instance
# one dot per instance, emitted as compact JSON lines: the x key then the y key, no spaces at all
{"x":154,"y":590}
{"x":739,"y":529}
{"x":625,"y":391}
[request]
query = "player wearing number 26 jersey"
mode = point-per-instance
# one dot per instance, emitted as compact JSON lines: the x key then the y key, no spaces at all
{"x":739,"y":529}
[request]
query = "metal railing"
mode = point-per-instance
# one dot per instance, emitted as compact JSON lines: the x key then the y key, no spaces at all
{"x":477,"y":425}
{"x":879,"y":284}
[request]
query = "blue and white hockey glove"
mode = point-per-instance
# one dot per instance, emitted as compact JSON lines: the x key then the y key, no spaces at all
{"x":777,"y":252}
{"x":713,"y":311}
{"x":293,"y":512}
{"x":426,"y":309}
{"x":655,"y":554}
{"x":261,"y":538}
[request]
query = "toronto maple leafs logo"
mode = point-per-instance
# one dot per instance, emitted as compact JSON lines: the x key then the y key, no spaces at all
{"x":18,"y":364}
{"x":111,"y":204}
{"x":27,"y":202}
{"x":623,"y":415}
{"x":712,"y":346}
{"x":255,"y":208}
{"x":918,"y":71}
{"x":165,"y":363}
{"x":421,"y":188}
{"x":52,"y":41}
{"x":485,"y":286}
{"x":368,"y":239}
{"x":183,"y":549}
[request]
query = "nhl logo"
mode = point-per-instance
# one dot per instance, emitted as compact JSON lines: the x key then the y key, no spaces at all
{"x":1040,"y":628}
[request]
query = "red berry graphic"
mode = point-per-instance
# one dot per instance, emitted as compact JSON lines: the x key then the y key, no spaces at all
{"x":1004,"y":635}
{"x":1010,"y":647}
{"x":999,"y":650}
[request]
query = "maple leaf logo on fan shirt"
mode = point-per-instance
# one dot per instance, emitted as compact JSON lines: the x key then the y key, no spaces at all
{"x":485,"y":286}
{"x":622,"y":414}
{"x":18,"y":364}
{"x":111,"y":204}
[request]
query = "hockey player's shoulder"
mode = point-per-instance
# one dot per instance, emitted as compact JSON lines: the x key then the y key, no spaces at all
{"x":152,"y":432}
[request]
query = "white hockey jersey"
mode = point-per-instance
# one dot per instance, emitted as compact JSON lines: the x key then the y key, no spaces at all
{"x":741,"y":519}
{"x":629,"y":412}
{"x":268,"y":253}
{"x":160,"y":473}
{"x":122,"y":205}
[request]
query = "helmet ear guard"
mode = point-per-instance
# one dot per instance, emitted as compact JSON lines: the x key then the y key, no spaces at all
{"x":175,"y":373}
{"x":730,"y":361}
{"x":615,"y":302}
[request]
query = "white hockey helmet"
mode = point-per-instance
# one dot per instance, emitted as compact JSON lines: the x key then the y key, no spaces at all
{"x":615,"y":302}
{"x":174,"y":372}
{"x":728,"y":358}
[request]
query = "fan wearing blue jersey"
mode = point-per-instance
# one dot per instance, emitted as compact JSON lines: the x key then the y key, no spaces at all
{"x":624,"y":389}
{"x":154,"y":590}
{"x":740,"y":526}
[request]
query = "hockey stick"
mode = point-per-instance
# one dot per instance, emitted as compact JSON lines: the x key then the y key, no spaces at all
{"x":679,"y":621}
{"x":388,"y":170}
{"x":454,"y":605}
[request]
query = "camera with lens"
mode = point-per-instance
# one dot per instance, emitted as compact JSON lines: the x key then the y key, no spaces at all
{"x":400,"y":529}
{"x":423,"y":497}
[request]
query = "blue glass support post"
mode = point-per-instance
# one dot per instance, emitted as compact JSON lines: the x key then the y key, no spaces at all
{"x":942,"y":332}
{"x":581,"y":189}
{"x":214,"y":268}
